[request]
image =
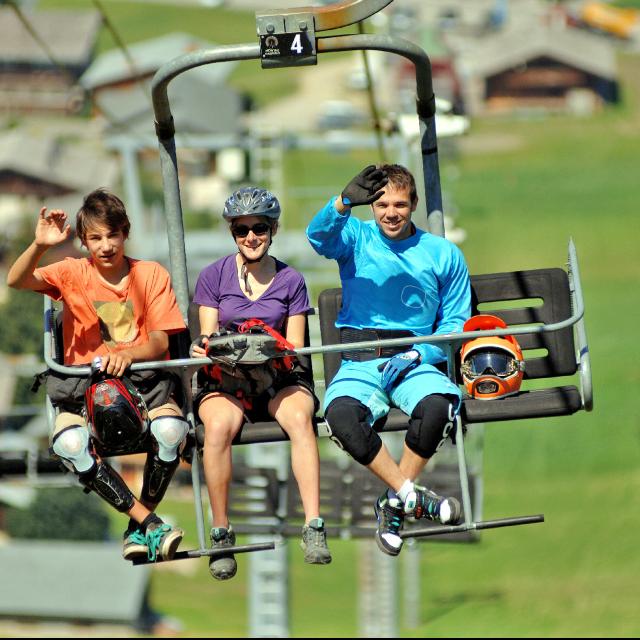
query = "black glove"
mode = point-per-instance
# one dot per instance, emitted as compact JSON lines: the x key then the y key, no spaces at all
{"x":365,"y":188}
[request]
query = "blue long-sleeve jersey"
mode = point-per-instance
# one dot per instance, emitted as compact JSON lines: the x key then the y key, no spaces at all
{"x":420,"y":284}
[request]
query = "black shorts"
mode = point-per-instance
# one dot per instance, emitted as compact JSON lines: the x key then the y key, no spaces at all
{"x":256,"y":407}
{"x":156,"y":388}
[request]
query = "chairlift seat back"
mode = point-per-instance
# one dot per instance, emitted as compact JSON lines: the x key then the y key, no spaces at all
{"x":538,"y":296}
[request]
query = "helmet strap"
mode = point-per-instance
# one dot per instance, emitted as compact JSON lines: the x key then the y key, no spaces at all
{"x":244,"y":272}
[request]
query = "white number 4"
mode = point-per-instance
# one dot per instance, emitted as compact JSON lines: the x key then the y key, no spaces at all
{"x":296,"y":45}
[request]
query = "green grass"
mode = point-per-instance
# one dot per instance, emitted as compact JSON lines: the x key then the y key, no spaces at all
{"x":576,"y":574}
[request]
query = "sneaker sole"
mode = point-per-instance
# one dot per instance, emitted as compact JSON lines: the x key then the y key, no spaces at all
{"x":455,"y":511}
{"x":222,"y":574}
{"x":390,"y":551}
{"x":170,"y":544}
{"x":135,"y":553}
{"x":317,"y":559}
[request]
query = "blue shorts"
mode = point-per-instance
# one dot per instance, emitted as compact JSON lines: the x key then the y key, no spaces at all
{"x":361,"y":380}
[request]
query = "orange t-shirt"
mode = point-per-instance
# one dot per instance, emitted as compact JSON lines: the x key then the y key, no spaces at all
{"x":99,"y":318}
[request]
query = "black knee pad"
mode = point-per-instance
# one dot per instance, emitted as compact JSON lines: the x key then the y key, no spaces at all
{"x":108,"y":484}
{"x":350,"y":430}
{"x":156,"y":478}
{"x":432,"y":422}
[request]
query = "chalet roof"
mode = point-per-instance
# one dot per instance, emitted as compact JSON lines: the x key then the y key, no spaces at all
{"x":198,"y":105}
{"x":72,"y":166}
{"x":148,"y":56}
{"x":69,"y":34}
{"x":511,"y":48}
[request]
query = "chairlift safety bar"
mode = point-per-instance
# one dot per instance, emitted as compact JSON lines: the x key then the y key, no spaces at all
{"x":449,"y":341}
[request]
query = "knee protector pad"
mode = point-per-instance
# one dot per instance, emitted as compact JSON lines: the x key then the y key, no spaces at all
{"x":432,"y":422}
{"x":156,"y":478}
{"x":347,"y":421}
{"x":169,"y":433}
{"x":71,"y":445}
{"x":109,"y":486}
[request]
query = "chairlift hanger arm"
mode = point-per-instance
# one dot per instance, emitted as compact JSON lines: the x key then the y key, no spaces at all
{"x":332,"y":16}
{"x":426,"y":102}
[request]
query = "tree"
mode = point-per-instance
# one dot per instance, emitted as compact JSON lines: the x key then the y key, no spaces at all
{"x":60,"y":514}
{"x":22,"y":323}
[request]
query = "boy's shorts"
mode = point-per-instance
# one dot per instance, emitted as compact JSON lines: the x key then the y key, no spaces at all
{"x":157,"y":388}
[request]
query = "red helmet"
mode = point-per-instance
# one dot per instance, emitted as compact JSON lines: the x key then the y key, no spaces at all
{"x":491,"y":367}
{"x":116,"y":414}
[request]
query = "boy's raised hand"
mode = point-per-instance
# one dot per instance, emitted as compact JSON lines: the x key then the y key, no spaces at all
{"x":52,"y":228}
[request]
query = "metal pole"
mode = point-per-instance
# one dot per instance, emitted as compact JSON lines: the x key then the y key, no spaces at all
{"x":269,"y":572}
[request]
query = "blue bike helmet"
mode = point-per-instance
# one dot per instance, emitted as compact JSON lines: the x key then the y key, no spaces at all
{"x":251,"y":201}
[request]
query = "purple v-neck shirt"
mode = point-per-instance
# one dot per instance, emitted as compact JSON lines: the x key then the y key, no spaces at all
{"x":218,"y":287}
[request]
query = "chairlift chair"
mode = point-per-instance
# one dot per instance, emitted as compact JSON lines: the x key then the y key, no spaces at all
{"x":288,"y":38}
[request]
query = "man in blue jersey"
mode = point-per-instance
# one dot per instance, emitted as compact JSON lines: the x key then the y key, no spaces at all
{"x":397,"y":281}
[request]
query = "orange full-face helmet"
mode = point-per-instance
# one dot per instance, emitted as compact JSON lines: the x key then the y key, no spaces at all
{"x":491,"y":367}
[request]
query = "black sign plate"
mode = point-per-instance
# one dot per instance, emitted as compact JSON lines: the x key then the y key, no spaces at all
{"x":287,"y":49}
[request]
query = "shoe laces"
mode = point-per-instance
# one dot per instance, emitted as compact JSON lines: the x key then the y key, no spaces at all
{"x":221,"y":537}
{"x":427,"y":504}
{"x":391,"y":519}
{"x":154,"y":538}
{"x":316,"y":537}
{"x":136,"y":537}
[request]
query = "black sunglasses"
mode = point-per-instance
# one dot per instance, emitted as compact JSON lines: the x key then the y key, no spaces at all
{"x":242,"y":230}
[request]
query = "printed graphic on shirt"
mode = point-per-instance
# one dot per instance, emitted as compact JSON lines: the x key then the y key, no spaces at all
{"x":117,"y":322}
{"x":414,"y":297}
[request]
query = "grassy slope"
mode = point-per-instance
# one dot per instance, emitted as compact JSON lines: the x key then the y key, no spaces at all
{"x":576,"y":575}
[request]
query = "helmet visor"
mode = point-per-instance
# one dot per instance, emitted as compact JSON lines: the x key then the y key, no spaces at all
{"x":492,"y":362}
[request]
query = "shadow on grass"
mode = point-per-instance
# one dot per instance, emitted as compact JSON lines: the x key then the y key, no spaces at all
{"x":443,"y":605}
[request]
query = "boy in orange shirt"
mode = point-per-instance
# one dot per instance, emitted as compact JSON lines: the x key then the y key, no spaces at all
{"x":120,"y":310}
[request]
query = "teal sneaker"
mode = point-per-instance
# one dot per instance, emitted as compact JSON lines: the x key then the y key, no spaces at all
{"x":134,"y":544}
{"x":314,"y":543}
{"x":162,"y":541}
{"x":223,"y":567}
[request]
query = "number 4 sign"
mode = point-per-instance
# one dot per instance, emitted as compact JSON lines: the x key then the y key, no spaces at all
{"x":287,"y":49}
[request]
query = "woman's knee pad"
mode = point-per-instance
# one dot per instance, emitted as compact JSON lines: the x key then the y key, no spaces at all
{"x":432,"y":422}
{"x":169,"y":432}
{"x":71,"y":445}
{"x":347,"y":421}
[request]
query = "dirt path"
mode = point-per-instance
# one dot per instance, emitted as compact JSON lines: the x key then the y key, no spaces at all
{"x":316,"y":85}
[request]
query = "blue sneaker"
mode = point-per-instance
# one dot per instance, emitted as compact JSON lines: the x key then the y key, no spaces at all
{"x":390,"y":515}
{"x":162,"y":541}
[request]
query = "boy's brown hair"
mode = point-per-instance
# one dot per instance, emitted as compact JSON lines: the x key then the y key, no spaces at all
{"x":102,"y":207}
{"x":401,"y":178}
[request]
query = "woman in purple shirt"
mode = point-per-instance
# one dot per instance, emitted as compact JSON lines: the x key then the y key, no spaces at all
{"x":253,"y":284}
